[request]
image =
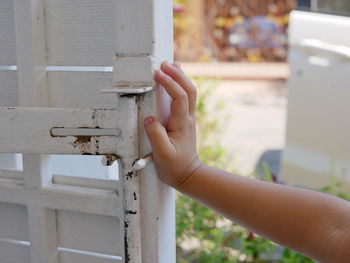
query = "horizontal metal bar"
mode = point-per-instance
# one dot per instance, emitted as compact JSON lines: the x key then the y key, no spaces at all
{"x":11,"y":174}
{"x":29,"y":130}
{"x":79,"y":69}
{"x":106,"y":184}
{"x":15,"y":242}
{"x":128,"y":90}
{"x":88,"y":253}
{"x":60,"y":132}
{"x":64,"y":68}
{"x":61,"y":197}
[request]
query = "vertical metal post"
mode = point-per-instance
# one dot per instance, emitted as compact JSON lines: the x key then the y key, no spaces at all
{"x":157,"y":199}
{"x":142,"y":41}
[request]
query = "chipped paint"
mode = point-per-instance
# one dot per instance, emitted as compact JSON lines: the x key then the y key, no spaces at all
{"x":130,"y":212}
{"x":109,"y":159}
{"x":83,"y":143}
{"x":129,"y":175}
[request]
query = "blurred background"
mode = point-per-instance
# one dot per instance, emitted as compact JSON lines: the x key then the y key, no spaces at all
{"x":272,"y":78}
{"x":237,"y":30}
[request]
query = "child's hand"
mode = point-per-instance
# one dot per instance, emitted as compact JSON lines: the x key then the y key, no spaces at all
{"x":174,"y":146}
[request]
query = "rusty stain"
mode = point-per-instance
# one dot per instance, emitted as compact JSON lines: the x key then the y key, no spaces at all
{"x":109,"y":159}
{"x":82,"y":139}
{"x":83,"y":143}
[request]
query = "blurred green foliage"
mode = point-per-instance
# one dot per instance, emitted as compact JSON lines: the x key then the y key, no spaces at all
{"x":204,"y":236}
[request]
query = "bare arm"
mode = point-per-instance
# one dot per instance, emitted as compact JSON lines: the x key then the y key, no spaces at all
{"x":315,"y":224}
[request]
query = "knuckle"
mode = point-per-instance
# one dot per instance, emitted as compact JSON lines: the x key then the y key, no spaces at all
{"x":183,"y":96}
{"x":193,"y":90}
{"x":168,"y":80}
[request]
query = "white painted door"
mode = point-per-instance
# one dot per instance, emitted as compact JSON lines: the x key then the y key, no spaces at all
{"x":76,"y":82}
{"x":318,"y":129}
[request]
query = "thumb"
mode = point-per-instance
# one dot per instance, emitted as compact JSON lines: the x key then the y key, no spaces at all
{"x":157,"y":136}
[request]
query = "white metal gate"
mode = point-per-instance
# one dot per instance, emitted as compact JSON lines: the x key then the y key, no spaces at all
{"x":76,"y":78}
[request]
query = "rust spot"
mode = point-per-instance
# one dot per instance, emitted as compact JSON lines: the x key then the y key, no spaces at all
{"x":83,"y":143}
{"x":135,"y":196}
{"x":110,"y":159}
{"x":82,"y":139}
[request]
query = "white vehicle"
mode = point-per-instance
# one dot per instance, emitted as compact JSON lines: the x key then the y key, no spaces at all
{"x":318,"y":128}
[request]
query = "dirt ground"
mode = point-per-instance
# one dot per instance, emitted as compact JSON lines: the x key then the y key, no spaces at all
{"x":256,"y":109}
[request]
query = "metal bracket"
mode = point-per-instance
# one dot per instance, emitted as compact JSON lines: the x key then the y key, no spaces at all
{"x":128,"y":90}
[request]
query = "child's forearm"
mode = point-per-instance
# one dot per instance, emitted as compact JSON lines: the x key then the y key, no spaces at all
{"x":310,"y":222}
{"x":315,"y":224}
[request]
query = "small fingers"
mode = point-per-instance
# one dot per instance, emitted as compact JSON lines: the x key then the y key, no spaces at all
{"x":175,"y":72}
{"x":158,"y":138}
{"x":180,"y":99}
{"x":177,"y":65}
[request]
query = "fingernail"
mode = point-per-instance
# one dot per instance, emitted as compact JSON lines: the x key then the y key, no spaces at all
{"x":177,"y":65}
{"x":148,"y":120}
{"x":168,"y":64}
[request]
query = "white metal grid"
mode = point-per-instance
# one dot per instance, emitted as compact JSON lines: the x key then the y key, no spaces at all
{"x":53,"y":102}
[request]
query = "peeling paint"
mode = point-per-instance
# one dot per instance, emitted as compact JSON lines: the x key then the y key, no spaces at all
{"x":83,"y":143}
{"x":126,"y":246}
{"x":129,"y":175}
{"x":109,"y":159}
{"x":130,"y":212}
